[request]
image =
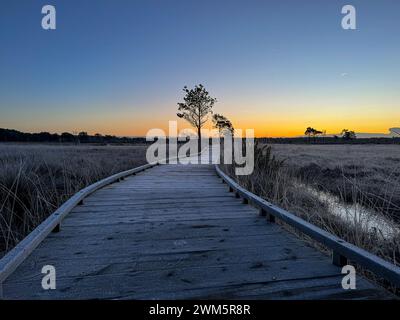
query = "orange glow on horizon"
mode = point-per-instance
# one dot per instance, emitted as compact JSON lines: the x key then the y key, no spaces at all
{"x":261,"y":129}
{"x":264,"y":123}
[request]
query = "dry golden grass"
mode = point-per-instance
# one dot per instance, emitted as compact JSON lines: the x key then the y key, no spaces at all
{"x":36,"y":179}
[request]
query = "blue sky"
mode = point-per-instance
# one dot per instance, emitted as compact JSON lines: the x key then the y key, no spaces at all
{"x":278,"y":66}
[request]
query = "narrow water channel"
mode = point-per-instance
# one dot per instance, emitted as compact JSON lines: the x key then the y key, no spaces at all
{"x":355,"y":214}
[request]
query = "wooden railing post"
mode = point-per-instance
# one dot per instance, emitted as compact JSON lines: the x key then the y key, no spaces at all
{"x":270,"y":217}
{"x":57,"y":228}
{"x":338,"y":259}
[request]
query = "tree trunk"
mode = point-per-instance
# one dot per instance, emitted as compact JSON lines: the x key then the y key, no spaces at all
{"x":199,"y":139}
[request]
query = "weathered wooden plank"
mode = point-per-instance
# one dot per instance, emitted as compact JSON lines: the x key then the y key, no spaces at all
{"x":166,"y":205}
{"x":119,"y":217}
{"x":171,"y":195}
{"x":116,"y":212}
{"x":133,"y":245}
{"x":211,"y":201}
{"x":164,"y":231}
{"x":293,"y":289}
{"x":223,"y":225}
{"x":145,"y":219}
{"x":224,"y":258}
{"x":178,"y":278}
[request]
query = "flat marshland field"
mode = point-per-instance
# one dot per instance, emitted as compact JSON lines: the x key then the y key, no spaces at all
{"x":365,"y":174}
{"x":35,"y":179}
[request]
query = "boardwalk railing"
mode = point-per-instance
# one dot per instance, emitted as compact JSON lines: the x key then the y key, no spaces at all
{"x":341,"y":250}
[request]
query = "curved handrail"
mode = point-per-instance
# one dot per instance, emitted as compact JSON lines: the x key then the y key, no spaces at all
{"x":341,"y":250}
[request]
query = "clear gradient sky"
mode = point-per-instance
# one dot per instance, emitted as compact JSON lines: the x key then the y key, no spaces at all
{"x":119,"y":66}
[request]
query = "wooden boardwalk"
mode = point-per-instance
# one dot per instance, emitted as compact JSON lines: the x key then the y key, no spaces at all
{"x":175,"y":232}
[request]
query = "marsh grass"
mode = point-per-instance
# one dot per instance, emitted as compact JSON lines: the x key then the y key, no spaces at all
{"x":364,"y":174}
{"x":36,"y":179}
{"x":291,"y":178}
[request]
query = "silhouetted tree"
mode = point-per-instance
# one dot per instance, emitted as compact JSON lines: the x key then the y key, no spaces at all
{"x":317,"y":133}
{"x":348,"y":134}
{"x":67,"y":137}
{"x":223,"y":124}
{"x":196,"y":107}
{"x":83,"y":136}
{"x":98,"y":137}
{"x":311,"y":132}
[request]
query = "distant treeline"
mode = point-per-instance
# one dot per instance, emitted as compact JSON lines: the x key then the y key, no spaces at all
{"x":9,"y":135}
{"x":330,"y":140}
